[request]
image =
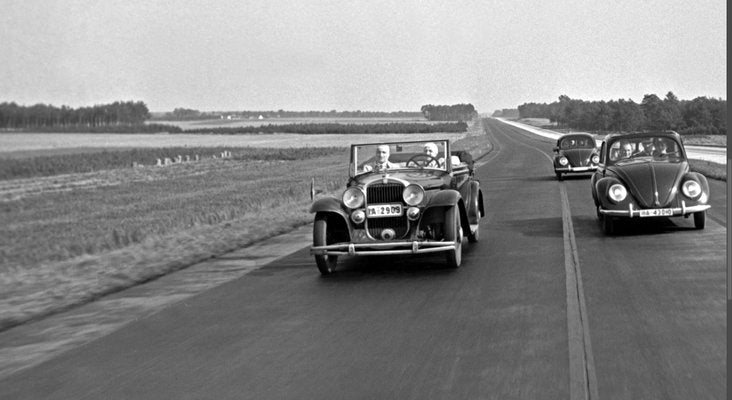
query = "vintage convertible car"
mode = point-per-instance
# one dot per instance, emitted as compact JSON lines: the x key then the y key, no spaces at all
{"x":576,"y":152}
{"x":647,"y":175}
{"x":401,"y":198}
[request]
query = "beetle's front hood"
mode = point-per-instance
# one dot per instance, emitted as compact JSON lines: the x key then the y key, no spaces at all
{"x":653,"y":184}
{"x":578,"y":157}
{"x":428,"y":179}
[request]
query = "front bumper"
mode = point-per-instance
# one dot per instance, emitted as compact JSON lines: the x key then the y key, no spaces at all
{"x":677,"y":211}
{"x":576,"y":169}
{"x":403,"y":247}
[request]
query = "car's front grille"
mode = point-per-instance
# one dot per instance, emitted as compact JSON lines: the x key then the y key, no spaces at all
{"x":398,"y":224}
{"x":383,"y":194}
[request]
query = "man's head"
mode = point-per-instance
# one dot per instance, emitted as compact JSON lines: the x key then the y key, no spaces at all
{"x":626,"y":150}
{"x":430,"y":149}
{"x":382,"y":153}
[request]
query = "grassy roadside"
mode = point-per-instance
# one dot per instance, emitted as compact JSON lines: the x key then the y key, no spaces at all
{"x":66,"y":240}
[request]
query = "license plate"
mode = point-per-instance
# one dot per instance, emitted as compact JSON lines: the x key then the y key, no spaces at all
{"x":384,"y":210}
{"x":656,"y":212}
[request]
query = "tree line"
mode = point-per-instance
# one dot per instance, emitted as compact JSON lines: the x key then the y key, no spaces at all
{"x":14,"y":116}
{"x":455,"y":112}
{"x":701,"y":115}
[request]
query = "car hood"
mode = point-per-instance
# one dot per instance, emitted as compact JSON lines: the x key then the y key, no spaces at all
{"x":578,"y":157}
{"x":653,"y":184}
{"x":428,"y":179}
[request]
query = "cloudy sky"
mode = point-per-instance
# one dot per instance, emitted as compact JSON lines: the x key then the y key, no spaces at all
{"x":358,"y":55}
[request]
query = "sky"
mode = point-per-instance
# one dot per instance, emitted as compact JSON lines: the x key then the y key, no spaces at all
{"x":375,"y":55}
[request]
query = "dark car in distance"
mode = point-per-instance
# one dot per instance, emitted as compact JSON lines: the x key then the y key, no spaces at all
{"x":401,"y":198}
{"x":647,"y":175}
{"x":575,"y":153}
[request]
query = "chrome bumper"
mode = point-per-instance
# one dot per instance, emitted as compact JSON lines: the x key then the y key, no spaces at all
{"x":631,"y":212}
{"x":356,"y":249}
{"x":576,"y":169}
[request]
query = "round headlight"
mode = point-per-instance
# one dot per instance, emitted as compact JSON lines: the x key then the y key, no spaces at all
{"x":617,"y":193}
{"x":595,"y":159}
{"x":691,"y":189}
{"x":353,"y":198}
{"x":413,"y":194}
{"x":358,"y":217}
{"x":563,"y":161}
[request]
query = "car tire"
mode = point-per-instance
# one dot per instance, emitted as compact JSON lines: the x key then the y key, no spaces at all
{"x":700,"y":219}
{"x":453,"y":232}
{"x":473,"y":237}
{"x":608,"y":225}
{"x":597,"y":211}
{"x":559,"y":176}
{"x":326,"y":263}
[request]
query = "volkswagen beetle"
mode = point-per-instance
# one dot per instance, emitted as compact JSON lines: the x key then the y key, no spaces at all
{"x":401,"y":198}
{"x":575,"y":153}
{"x":646,"y":175}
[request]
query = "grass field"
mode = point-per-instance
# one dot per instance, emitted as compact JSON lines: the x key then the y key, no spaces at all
{"x":67,"y":239}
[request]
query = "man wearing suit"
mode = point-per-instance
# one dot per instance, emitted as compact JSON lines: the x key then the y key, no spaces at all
{"x":382,"y":160}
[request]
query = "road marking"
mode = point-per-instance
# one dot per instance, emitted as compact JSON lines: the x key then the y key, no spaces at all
{"x":582,"y":378}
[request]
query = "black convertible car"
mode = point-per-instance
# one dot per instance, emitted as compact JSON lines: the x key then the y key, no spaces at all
{"x":401,"y":198}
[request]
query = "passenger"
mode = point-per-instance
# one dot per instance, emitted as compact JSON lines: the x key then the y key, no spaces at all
{"x":626,"y":151}
{"x":431,"y":150}
{"x":648,"y":148}
{"x":660,"y":148}
{"x":382,"y":160}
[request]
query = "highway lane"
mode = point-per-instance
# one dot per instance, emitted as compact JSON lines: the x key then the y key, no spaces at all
{"x":502,"y":326}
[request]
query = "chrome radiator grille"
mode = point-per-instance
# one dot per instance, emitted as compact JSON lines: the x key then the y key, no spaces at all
{"x":384,"y":194}
{"x":380,"y":193}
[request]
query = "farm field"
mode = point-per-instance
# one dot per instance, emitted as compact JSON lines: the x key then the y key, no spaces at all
{"x":68,"y":239}
{"x":216,"y":123}
{"x":14,"y":145}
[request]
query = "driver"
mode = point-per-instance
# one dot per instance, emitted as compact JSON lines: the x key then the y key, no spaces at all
{"x":382,"y":160}
{"x":431,"y":150}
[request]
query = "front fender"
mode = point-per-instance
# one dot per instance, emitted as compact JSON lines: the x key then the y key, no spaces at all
{"x":328,"y":204}
{"x":704,"y":185}
{"x":444,"y":198}
{"x":601,"y":187}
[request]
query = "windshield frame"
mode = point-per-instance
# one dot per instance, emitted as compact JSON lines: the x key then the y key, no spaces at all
{"x":364,"y":153}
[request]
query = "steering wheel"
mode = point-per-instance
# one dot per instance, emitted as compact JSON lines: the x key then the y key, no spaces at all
{"x":421,"y":160}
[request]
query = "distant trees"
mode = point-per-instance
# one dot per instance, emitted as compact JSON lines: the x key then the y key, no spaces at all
{"x":506,"y":113}
{"x":455,"y":112}
{"x":701,"y":115}
{"x":13,"y":116}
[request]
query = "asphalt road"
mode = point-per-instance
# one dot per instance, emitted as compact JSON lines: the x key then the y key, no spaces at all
{"x":545,"y":306}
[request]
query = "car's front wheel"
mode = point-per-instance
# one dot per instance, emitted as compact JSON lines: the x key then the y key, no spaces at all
{"x":608,"y":225}
{"x":700,"y":219}
{"x":454,"y":232}
{"x":326,"y":263}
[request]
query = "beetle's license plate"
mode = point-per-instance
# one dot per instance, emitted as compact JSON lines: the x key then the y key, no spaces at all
{"x":656,"y":212}
{"x":384,"y":210}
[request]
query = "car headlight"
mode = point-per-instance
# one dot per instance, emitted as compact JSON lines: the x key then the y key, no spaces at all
{"x":413,"y":194}
{"x":563,"y":161}
{"x":617,"y":193}
{"x":692,"y":189}
{"x":595,"y":159}
{"x":358,"y":217}
{"x":353,"y":198}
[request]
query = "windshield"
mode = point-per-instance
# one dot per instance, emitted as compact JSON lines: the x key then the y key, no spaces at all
{"x":656,"y":148}
{"x":377,"y":157}
{"x":576,"y":142}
